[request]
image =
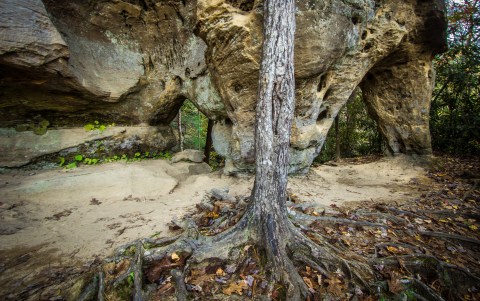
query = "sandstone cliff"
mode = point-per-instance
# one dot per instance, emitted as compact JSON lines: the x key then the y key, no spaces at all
{"x":135,"y":62}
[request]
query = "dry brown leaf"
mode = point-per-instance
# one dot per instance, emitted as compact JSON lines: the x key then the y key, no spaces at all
{"x":308,"y":269}
{"x":308,"y":282}
{"x":393,"y":249}
{"x":236,"y":287}
{"x":175,"y":257}
{"x":164,"y":288}
{"x":220,"y":272}
{"x":394,"y":283}
{"x":335,"y":286}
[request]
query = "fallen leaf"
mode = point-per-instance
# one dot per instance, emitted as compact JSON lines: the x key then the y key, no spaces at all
{"x":236,"y":287}
{"x":175,"y":257}
{"x":394,"y":283}
{"x":220,"y":272}
{"x":473,"y":227}
{"x":308,"y":269}
{"x":308,"y":282}
{"x":335,"y":286}
{"x":393,"y":249}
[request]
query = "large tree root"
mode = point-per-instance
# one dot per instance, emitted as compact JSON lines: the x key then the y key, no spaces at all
{"x":237,"y":262}
{"x":151,"y":262}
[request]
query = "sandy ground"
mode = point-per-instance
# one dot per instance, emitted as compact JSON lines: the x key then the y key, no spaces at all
{"x":77,"y":215}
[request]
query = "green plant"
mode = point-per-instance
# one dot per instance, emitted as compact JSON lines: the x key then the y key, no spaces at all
{"x":78,"y":158}
{"x":216,"y":160}
{"x":41,"y":128}
{"x":96,"y":125}
{"x":61,"y":161}
{"x":454,"y":118}
{"x":164,"y":155}
{"x":90,"y":161}
{"x":72,"y":165}
{"x":358,"y":133}
{"x":193,"y":126}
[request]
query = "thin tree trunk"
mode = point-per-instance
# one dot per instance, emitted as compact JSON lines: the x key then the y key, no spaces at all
{"x":208,"y":142}
{"x":199,"y":125}
{"x":180,"y":132}
{"x":337,"y":138}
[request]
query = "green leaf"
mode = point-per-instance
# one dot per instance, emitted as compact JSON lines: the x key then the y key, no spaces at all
{"x":61,"y":161}
{"x":89,"y":127}
{"x":72,"y":165}
{"x":78,"y":158}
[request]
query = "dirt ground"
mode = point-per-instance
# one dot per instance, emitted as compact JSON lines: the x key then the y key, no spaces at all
{"x":70,"y":218}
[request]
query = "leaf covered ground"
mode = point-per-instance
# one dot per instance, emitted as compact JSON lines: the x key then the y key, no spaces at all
{"x":419,"y":249}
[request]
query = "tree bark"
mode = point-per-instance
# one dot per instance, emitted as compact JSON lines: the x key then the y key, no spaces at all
{"x":208,"y":142}
{"x":337,"y":138}
{"x":180,"y":133}
{"x":267,"y":213}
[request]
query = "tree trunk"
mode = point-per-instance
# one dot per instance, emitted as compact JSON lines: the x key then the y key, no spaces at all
{"x":180,"y":133}
{"x":337,"y":138}
{"x":208,"y":142}
{"x":267,"y":213}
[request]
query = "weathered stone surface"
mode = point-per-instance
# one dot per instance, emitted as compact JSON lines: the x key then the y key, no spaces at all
{"x":134,"y":62}
{"x":198,"y":169}
{"x":191,"y":155}
{"x":28,"y":37}
{"x":20,"y":148}
{"x":337,"y":43}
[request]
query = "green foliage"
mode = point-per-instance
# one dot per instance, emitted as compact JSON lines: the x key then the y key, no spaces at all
{"x":90,"y":161}
{"x":71,"y":165}
{"x":81,"y":159}
{"x":61,"y":161}
{"x":96,"y":125}
{"x":359,"y":135}
{"x":163,"y":155}
{"x":216,"y":160}
{"x":41,"y":128}
{"x":194,"y":126}
{"x":454,"y":117}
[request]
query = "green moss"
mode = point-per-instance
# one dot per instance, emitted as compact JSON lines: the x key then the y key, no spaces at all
{"x":130,"y":251}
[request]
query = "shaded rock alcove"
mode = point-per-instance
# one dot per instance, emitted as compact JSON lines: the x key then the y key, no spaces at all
{"x":133,"y":63}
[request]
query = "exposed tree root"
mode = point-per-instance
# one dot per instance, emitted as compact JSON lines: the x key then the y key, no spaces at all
{"x":450,"y":236}
{"x":181,"y":255}
{"x":335,"y":220}
{"x":220,"y":255}
{"x":453,"y":279}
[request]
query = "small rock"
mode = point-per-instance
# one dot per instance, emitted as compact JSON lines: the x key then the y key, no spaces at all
{"x":198,"y":169}
{"x":189,"y":155}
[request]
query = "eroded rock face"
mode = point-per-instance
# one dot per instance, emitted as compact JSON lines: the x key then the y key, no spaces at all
{"x":135,"y":62}
{"x":339,"y":45}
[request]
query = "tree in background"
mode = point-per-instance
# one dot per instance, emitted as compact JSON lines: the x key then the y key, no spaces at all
{"x":455,"y":118}
{"x":192,"y":125}
{"x":358,"y":133}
